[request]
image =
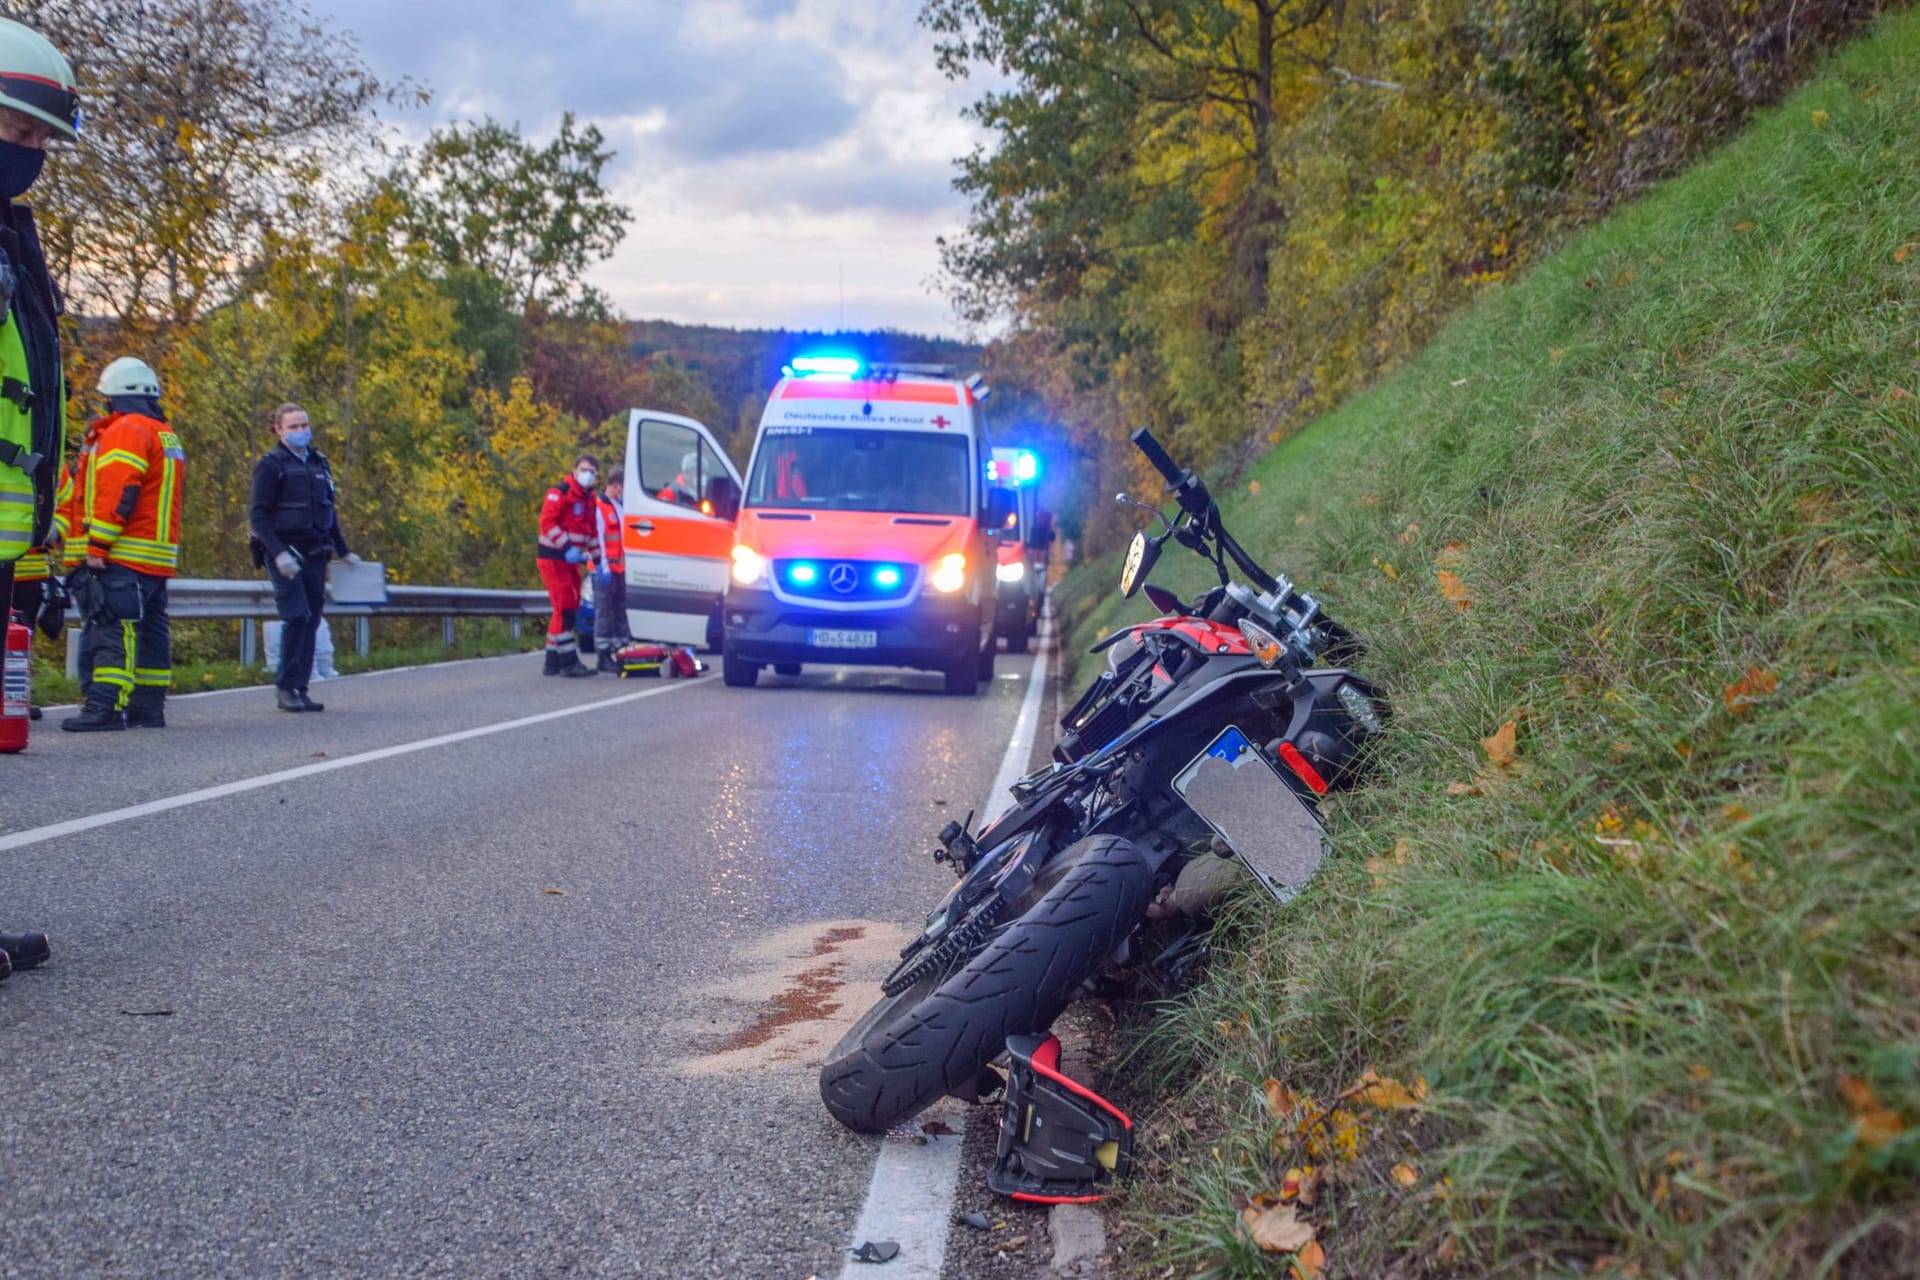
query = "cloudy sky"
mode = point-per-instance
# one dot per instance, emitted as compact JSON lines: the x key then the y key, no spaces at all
{"x":767,"y":148}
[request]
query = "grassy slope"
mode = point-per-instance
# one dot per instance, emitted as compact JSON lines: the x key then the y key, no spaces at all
{"x":1635,"y":971}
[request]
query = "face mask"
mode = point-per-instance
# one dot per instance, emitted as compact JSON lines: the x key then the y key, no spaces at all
{"x":19,"y":168}
{"x":586,"y":478}
{"x":299,"y":439}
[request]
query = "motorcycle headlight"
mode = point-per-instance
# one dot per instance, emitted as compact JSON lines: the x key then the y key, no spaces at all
{"x":1011,"y":571}
{"x":749,"y":567}
{"x":950,"y":575}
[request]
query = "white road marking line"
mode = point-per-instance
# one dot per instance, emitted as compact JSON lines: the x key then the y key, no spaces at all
{"x":21,"y":839}
{"x":910,"y":1199}
{"x":330,"y":680}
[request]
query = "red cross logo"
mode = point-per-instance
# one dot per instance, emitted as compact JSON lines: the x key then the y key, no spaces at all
{"x":941,"y":422}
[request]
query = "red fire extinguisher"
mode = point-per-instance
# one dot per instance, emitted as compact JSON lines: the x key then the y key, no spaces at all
{"x":16,"y":687}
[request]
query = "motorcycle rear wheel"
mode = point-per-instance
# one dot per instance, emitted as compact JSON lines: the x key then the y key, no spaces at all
{"x":935,"y":1036}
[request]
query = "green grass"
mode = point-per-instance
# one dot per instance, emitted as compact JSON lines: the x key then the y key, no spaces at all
{"x":1641,"y":971}
{"x":483,"y":638}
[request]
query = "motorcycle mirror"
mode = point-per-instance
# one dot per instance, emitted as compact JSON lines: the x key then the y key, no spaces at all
{"x":1140,"y":557}
{"x":1130,"y":501}
{"x":1164,"y":600}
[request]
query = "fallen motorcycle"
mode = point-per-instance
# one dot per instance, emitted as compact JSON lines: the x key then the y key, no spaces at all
{"x":1211,"y":735}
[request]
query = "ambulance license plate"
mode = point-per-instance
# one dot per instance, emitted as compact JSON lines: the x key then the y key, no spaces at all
{"x":828,"y":639}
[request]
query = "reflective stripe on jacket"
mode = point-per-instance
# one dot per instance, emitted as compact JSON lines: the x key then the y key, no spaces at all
{"x":613,"y":552}
{"x":132,"y":494}
{"x":32,"y":395}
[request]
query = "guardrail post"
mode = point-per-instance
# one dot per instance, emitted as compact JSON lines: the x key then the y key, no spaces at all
{"x":362,"y":625}
{"x":247,"y":650}
{"x":73,"y":652}
{"x":514,"y":626}
{"x":446,"y":629}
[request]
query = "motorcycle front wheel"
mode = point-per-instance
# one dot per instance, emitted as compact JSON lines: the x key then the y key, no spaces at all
{"x":936,"y":1036}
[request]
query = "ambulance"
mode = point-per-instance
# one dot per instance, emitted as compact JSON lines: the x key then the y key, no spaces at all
{"x":681,"y":498}
{"x":1025,"y":547}
{"x":868,"y":529}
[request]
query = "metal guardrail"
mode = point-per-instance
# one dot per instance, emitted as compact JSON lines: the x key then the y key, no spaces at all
{"x":251,"y":601}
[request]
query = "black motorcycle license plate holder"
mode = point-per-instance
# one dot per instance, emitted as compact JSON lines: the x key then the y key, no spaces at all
{"x":1239,"y":793}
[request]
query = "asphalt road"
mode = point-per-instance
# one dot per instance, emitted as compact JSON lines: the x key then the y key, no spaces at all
{"x":545,"y":1001}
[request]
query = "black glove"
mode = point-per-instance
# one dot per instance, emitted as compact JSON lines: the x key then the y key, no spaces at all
{"x":53,"y":609}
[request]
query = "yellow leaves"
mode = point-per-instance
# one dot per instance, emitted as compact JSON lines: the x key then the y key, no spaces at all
{"x":1253,"y":488}
{"x":1900,"y":254}
{"x":1820,"y":119}
{"x":1387,"y":1093}
{"x":1382,"y":869}
{"x":1756,"y":684}
{"x":1386,"y":567}
{"x":1282,"y":1102}
{"x":1503,"y":760}
{"x":1404,"y":1174}
{"x":1743,"y":227}
{"x":1700,"y":1073}
{"x":1277,"y":1228}
{"x":1333,"y":1135}
{"x":1407,"y":536}
{"x":1874,"y":1125}
{"x":1302,"y":1184}
{"x":1451,"y":587}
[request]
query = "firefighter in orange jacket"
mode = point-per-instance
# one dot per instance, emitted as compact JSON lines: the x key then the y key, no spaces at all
{"x":125,"y":516}
{"x":569,"y":532}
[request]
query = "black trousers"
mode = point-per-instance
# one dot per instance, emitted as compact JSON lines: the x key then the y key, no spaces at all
{"x":23,"y":597}
{"x":299,"y":600}
{"x":127,"y":660}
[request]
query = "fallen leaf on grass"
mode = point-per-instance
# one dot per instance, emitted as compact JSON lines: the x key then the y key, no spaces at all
{"x":1743,"y":226}
{"x":1407,"y":538}
{"x":1253,"y":488}
{"x":1900,"y":254}
{"x":1308,"y":1262}
{"x":1749,"y":689}
{"x":1820,"y":119}
{"x":1302,"y":1185}
{"x":1501,"y":748}
{"x":1700,"y":1072}
{"x":1405,"y":1174}
{"x":1874,"y":1125}
{"x":1387,"y":1093}
{"x":1455,"y":590}
{"x":1386,"y":567}
{"x":1277,"y":1229}
{"x":1281,"y":1101}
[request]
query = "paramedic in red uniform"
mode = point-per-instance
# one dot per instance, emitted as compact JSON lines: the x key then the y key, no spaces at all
{"x":569,"y":533}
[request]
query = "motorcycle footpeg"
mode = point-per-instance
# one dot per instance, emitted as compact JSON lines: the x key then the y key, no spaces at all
{"x":1060,"y":1142}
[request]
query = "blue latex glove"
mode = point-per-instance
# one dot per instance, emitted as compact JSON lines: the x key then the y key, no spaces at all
{"x":602,"y":579}
{"x":576,"y":556}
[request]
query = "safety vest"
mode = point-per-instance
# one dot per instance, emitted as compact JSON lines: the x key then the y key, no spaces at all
{"x":68,"y":513}
{"x":28,"y":458}
{"x":132,"y":493}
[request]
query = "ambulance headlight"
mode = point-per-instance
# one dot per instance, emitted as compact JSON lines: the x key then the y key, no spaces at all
{"x":950,"y":575}
{"x":749,"y":567}
{"x":1011,"y":571}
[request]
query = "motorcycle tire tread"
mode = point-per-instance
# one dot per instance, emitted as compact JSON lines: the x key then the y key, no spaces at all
{"x":1017,"y":986}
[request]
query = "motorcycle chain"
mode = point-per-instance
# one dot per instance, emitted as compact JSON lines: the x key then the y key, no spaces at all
{"x":961,"y":941}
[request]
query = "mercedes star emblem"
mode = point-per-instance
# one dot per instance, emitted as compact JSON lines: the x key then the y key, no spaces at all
{"x":843,"y":578}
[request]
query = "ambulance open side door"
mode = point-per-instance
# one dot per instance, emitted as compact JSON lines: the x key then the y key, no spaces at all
{"x":682,"y":497}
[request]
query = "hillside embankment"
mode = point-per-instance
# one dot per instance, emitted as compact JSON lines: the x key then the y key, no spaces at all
{"x":1627,"y":926}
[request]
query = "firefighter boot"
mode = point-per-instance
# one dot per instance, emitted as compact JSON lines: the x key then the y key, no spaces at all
{"x":94,"y":718}
{"x":149,"y":712}
{"x":606,"y":661}
{"x":27,"y":950}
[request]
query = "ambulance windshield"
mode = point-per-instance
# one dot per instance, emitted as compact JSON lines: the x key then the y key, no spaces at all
{"x":835,"y":469}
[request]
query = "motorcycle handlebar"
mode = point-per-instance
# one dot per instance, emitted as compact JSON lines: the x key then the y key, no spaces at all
{"x":1143,"y":441}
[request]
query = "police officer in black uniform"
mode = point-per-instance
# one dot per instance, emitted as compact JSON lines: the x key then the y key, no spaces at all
{"x":296,"y":529}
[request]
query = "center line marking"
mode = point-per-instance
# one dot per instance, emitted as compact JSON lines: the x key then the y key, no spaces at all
{"x":910,"y":1199}
{"x":21,"y":839}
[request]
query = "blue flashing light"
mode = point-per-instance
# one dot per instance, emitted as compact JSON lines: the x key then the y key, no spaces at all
{"x":803,"y":573}
{"x":886,"y":576}
{"x":826,"y":366}
{"x":1026,"y":467}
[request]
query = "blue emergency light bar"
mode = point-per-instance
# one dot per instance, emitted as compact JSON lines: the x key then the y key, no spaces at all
{"x":826,"y":366}
{"x":1026,"y":467}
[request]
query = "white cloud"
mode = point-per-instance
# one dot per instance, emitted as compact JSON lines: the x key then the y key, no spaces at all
{"x":767,"y":147}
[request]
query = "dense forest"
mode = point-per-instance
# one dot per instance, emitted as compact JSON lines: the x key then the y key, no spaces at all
{"x":1221,"y":217}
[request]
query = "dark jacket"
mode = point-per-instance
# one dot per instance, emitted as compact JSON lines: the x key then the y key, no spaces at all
{"x":293,"y":503}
